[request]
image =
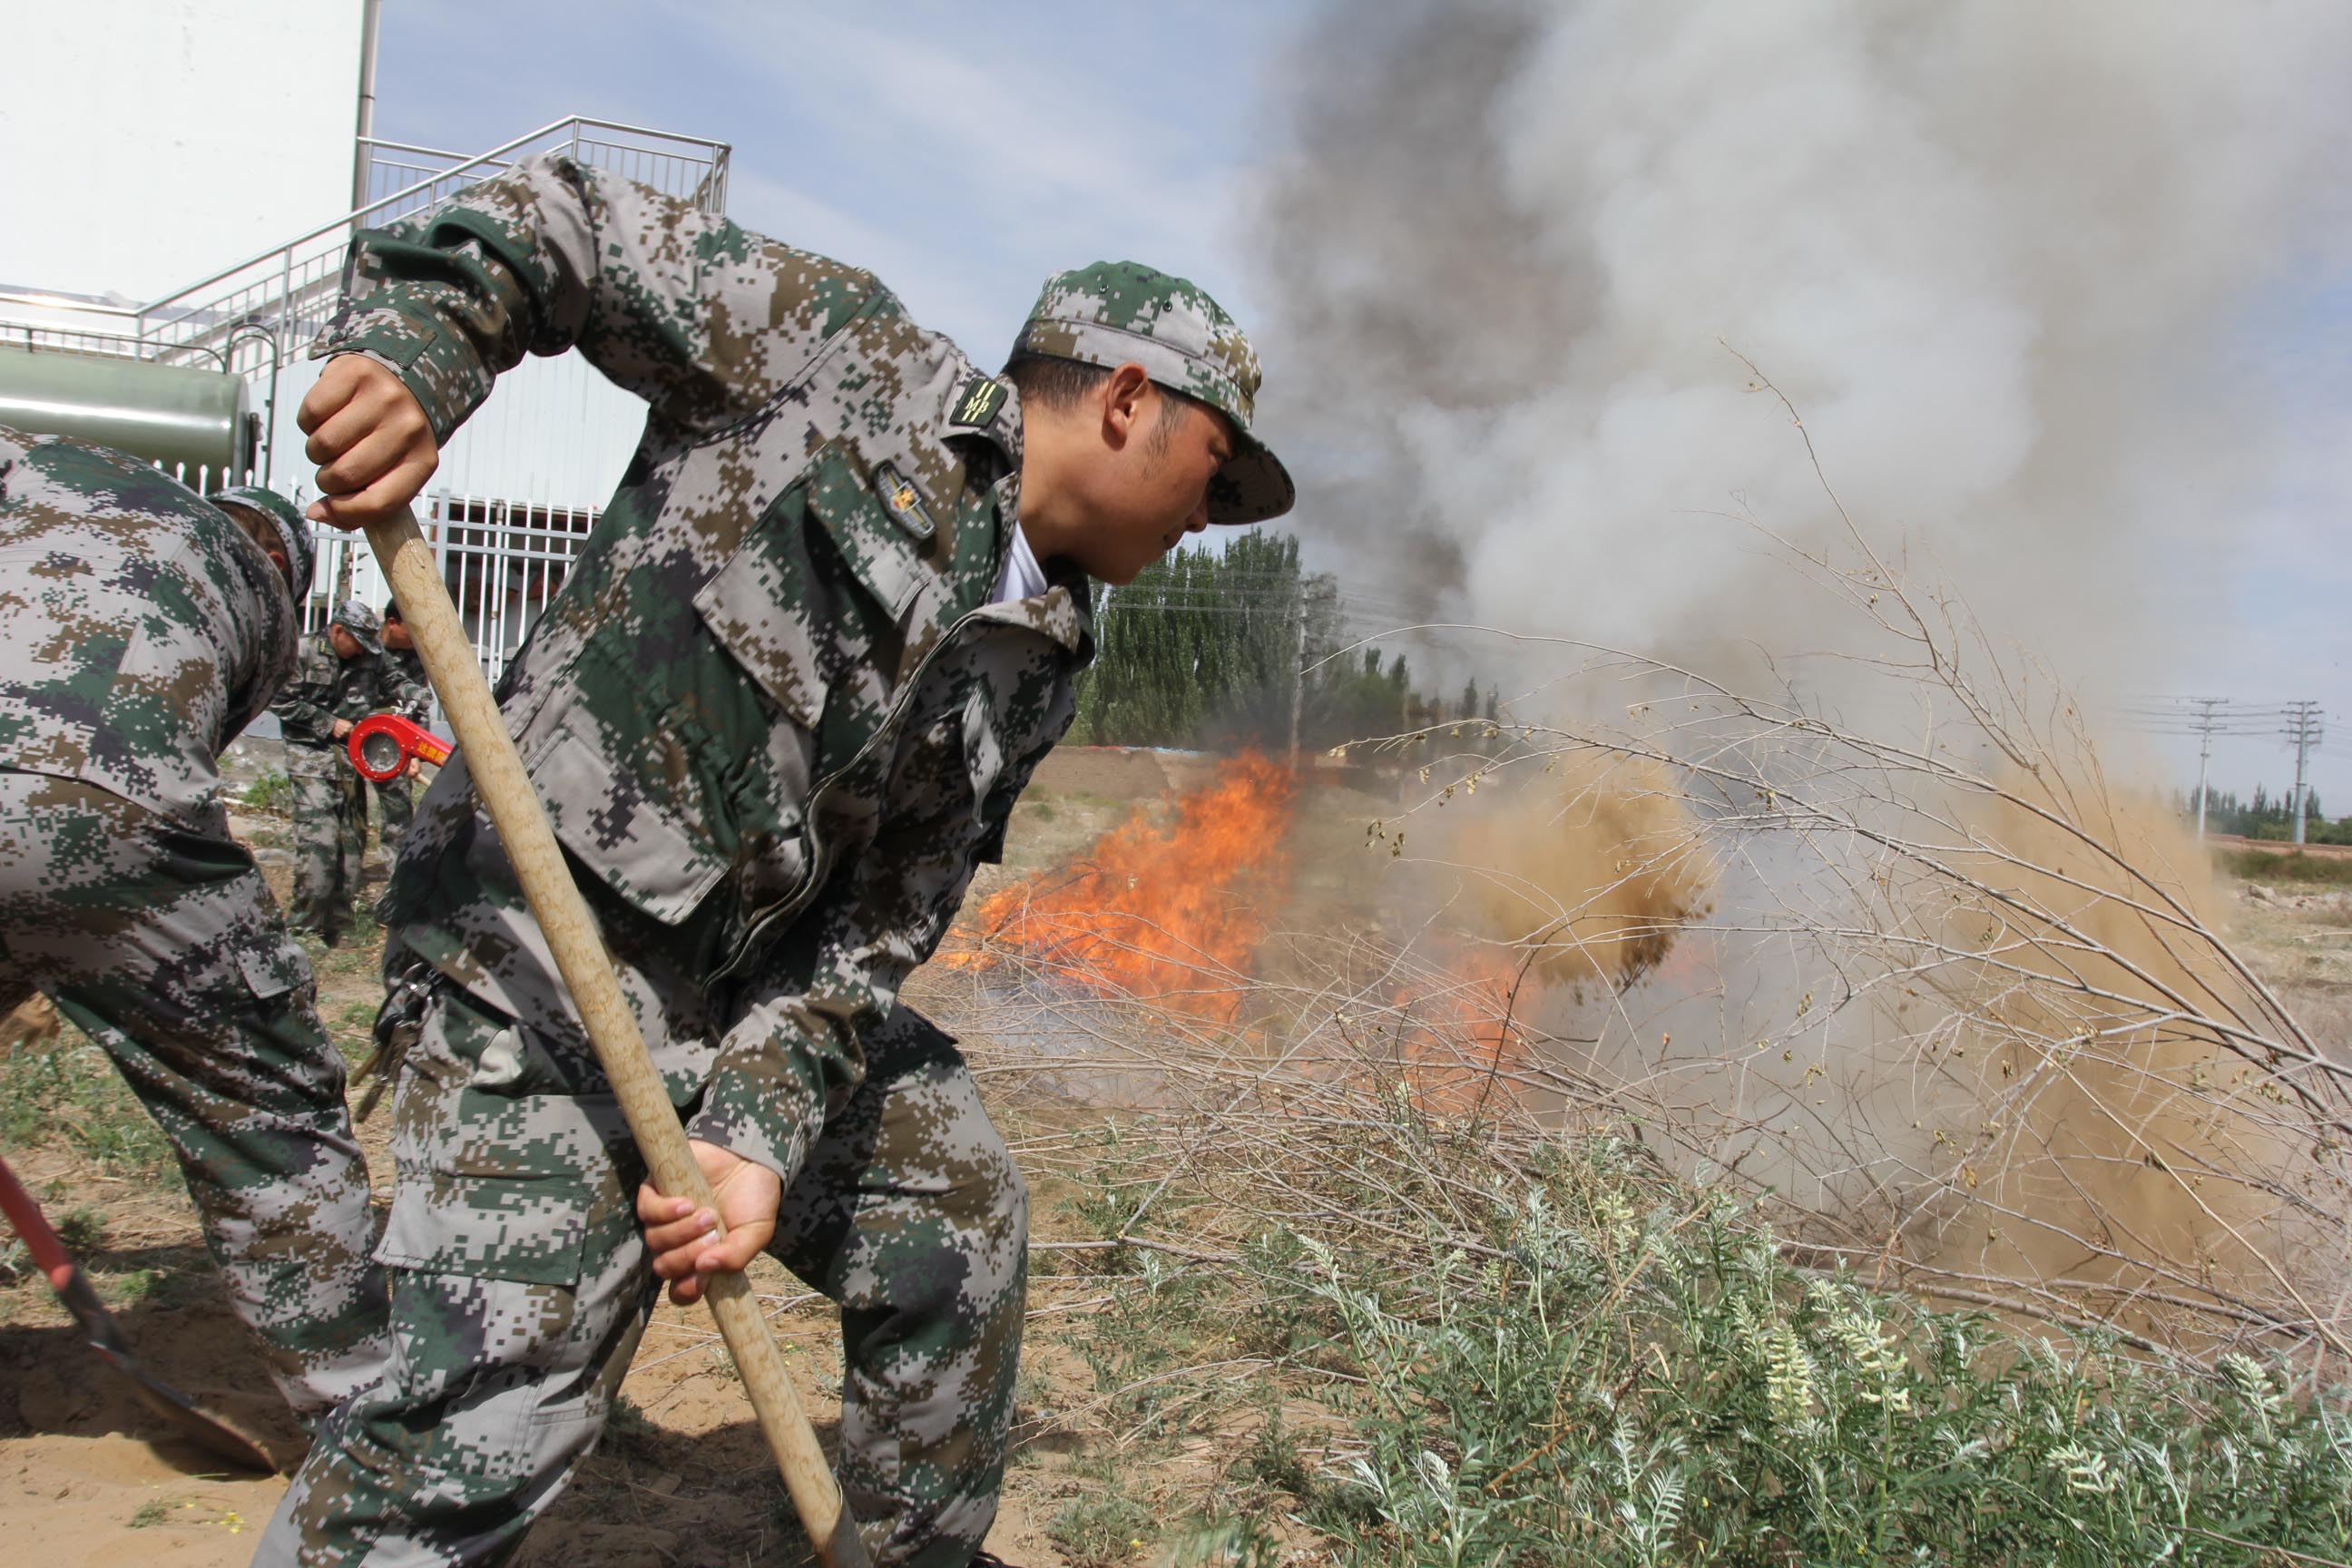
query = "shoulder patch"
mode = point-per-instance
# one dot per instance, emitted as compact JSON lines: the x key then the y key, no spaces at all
{"x":904,"y":502}
{"x":976,"y":402}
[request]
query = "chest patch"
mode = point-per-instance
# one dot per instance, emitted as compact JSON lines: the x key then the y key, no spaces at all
{"x":904,"y":502}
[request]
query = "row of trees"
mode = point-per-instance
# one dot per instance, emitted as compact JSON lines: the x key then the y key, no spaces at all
{"x":1207,"y":648}
{"x":2266,"y":816}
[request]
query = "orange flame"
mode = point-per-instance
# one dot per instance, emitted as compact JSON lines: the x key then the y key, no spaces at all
{"x":1160,"y":911}
{"x":1466,"y":1043}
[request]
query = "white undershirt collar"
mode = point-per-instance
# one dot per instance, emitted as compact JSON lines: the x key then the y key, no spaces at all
{"x":1023,"y":577}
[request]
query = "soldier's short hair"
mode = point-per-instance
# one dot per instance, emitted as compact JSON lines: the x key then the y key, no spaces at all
{"x":1049,"y":381}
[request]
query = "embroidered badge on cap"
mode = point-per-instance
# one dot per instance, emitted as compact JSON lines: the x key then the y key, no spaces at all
{"x":904,"y":504}
{"x":976,"y":402}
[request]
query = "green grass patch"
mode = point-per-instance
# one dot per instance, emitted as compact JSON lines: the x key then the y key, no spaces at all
{"x":82,"y":1228}
{"x":67,"y":1091}
{"x":273,"y":793}
{"x":353,"y":1032}
{"x":2288,"y":866}
{"x":130,"y":1288}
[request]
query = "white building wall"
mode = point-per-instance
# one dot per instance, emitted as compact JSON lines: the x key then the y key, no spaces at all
{"x":148,"y":143}
{"x":555,"y":431}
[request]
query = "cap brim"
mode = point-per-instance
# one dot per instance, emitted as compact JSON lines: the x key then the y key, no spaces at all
{"x":1251,"y":488}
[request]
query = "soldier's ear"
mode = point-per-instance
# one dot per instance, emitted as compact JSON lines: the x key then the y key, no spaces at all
{"x":1125,"y":392}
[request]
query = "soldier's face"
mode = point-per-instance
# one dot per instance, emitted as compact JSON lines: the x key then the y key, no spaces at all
{"x":396,"y":635}
{"x":341,"y":639}
{"x":1153,"y":491}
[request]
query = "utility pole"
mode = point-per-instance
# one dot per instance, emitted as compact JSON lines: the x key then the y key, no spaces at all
{"x":2303,"y":730}
{"x":2205,"y":718}
{"x":1298,"y":680}
{"x":371,"y":21}
{"x":2204,"y":723}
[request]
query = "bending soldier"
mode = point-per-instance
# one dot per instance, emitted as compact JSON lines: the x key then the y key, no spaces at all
{"x":147,"y":626}
{"x":343,"y":678}
{"x":782,"y":705}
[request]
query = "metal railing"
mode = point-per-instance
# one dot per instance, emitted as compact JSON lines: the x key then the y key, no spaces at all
{"x":260,"y":313}
{"x":503,"y":562}
{"x":503,"y":556}
{"x":407,"y":178}
{"x":256,"y":317}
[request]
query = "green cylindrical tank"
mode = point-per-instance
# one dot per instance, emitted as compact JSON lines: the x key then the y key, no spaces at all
{"x":194,"y":421}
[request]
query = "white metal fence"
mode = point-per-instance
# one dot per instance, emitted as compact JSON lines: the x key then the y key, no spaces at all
{"x":502,"y":561}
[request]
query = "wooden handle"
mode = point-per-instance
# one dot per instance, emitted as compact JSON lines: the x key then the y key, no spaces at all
{"x":514,"y":808}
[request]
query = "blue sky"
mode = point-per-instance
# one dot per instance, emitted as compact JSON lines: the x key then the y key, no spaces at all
{"x":963,"y":152}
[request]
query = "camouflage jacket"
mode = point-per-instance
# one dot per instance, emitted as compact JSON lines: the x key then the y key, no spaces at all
{"x":145,"y":629}
{"x":326,"y":687}
{"x":772,"y":713}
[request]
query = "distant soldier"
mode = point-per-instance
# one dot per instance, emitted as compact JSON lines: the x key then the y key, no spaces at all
{"x":146,"y":626}
{"x":395,"y":797}
{"x":343,"y":677}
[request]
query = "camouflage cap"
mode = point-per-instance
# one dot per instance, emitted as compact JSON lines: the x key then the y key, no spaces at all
{"x":1115,"y":311}
{"x":362,"y":622}
{"x":280,"y":514}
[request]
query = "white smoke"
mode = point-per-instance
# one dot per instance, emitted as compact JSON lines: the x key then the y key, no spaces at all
{"x":2000,"y":253}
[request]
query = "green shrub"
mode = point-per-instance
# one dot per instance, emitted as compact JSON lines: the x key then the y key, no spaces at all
{"x":1608,"y":1368}
{"x":1103,"y":1524}
{"x":82,"y":1228}
{"x":273,"y":793}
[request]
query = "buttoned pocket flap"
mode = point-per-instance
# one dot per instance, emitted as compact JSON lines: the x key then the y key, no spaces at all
{"x":875,"y":549}
{"x":620,"y":826}
{"x":761,"y":606}
{"x":272,"y":969}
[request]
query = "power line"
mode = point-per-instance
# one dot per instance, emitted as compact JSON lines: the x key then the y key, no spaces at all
{"x":2207,"y":717}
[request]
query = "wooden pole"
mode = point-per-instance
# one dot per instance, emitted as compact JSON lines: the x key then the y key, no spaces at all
{"x":514,"y":808}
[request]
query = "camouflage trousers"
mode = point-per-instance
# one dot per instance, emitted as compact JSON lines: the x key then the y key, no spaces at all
{"x":329,"y":836}
{"x":164,"y":946}
{"x":520,"y":1286}
{"x":396,"y":808}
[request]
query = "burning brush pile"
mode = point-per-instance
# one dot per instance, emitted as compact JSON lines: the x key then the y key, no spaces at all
{"x":1166,"y":910}
{"x":1959,"y":1014}
{"x":1574,"y":888}
{"x":1648,"y":1161}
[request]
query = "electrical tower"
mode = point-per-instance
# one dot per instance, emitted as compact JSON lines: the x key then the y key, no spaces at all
{"x":2302,"y":732}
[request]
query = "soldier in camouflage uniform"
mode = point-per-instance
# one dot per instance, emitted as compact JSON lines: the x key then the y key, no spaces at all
{"x":784,"y":704}
{"x":395,"y":797}
{"x":343,"y":678}
{"x":146,"y":626}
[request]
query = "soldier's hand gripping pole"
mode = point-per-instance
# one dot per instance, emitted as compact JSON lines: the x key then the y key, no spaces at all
{"x":507,"y":795}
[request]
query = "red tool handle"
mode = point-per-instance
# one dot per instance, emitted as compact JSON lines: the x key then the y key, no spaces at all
{"x":33,"y":1227}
